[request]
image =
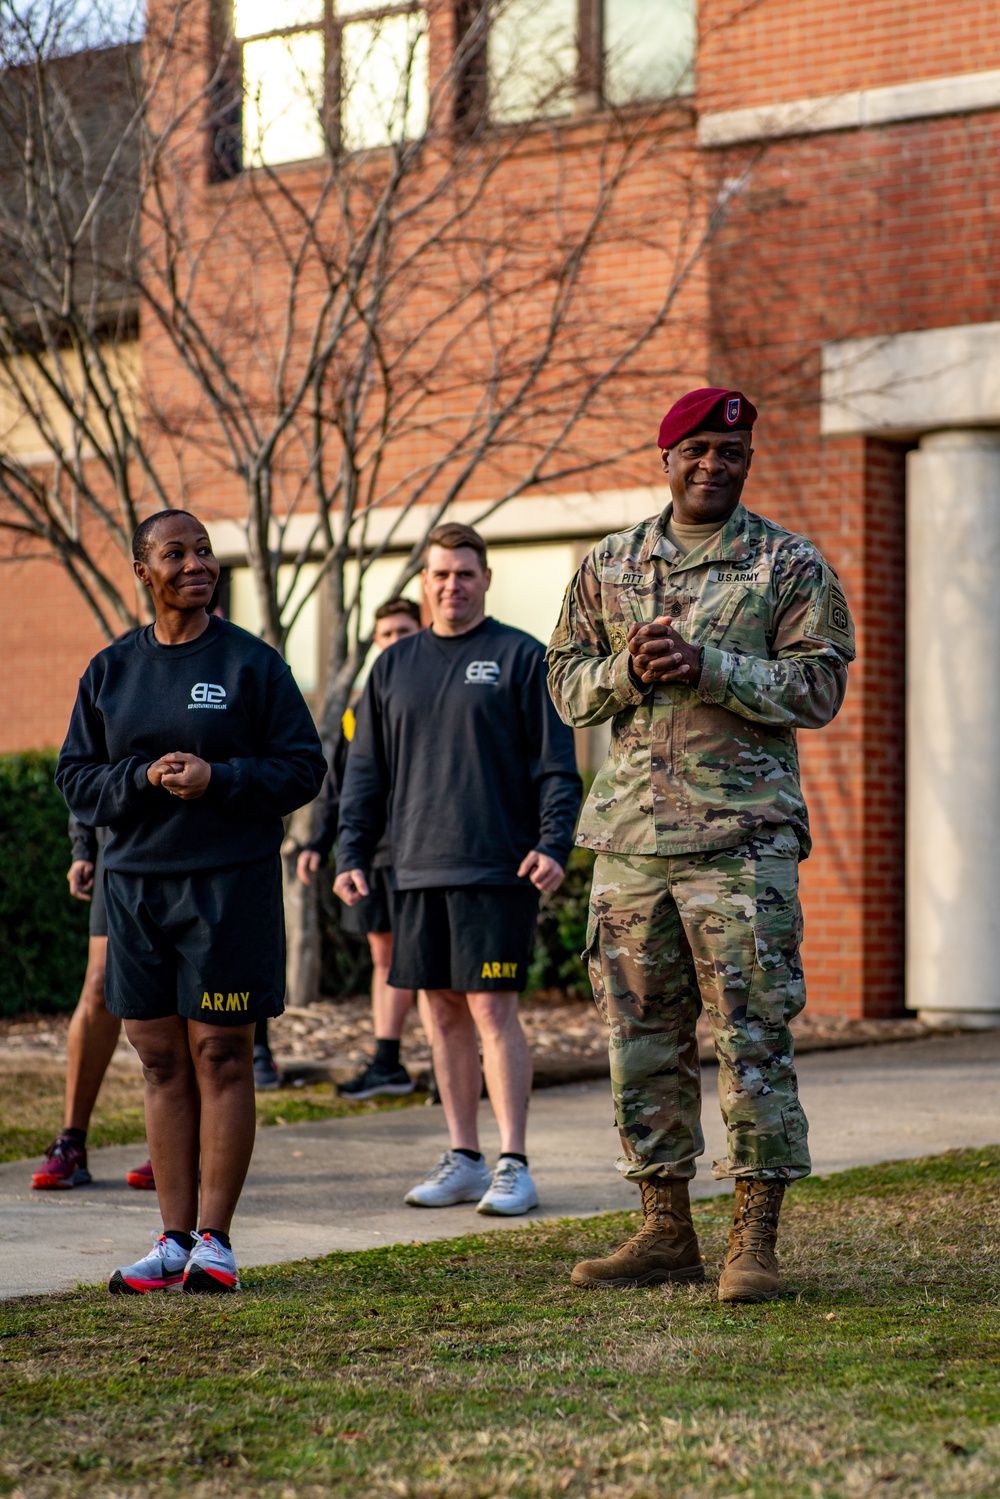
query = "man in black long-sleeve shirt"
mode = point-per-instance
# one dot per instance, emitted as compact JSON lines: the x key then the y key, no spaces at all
{"x":458,"y":747}
{"x":370,"y":919}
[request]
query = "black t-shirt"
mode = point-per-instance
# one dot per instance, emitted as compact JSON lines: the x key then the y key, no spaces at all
{"x":459,"y":748}
{"x":226,"y":697}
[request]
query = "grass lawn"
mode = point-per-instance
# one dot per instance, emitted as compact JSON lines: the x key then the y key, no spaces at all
{"x":31,"y":1105}
{"x":471,"y":1368}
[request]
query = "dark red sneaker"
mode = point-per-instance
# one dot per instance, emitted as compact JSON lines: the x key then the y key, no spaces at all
{"x":142,"y":1178}
{"x":65,"y":1166}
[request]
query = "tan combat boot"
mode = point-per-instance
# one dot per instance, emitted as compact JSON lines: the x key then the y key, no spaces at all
{"x":751,"y":1269}
{"x":664,"y":1249}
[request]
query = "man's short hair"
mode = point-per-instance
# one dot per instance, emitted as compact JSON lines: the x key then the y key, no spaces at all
{"x":398,"y":606}
{"x":451,"y":536}
{"x":142,"y":536}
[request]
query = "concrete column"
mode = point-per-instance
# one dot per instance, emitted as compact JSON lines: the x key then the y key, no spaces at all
{"x":953,"y":729}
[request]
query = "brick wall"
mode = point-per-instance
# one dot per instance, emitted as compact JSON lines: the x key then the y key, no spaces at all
{"x":770,"y":51}
{"x":841,"y":235}
{"x":48,"y":636}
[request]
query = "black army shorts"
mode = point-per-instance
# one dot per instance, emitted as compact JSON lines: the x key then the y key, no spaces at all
{"x":465,"y":937}
{"x":207,"y":946}
{"x":374,"y":912}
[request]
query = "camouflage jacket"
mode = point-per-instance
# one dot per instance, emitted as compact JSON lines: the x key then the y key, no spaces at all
{"x":692,"y":769}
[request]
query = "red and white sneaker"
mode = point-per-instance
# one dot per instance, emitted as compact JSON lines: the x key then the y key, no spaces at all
{"x":211,"y":1268}
{"x":161,"y":1270}
{"x":142,"y":1178}
{"x":65,"y":1166}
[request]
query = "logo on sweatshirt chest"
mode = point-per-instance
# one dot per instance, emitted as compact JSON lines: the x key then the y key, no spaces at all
{"x":208,"y":695}
{"x":482,"y":673}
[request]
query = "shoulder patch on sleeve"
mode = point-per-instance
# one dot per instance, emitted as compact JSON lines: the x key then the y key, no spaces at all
{"x":831,"y":617}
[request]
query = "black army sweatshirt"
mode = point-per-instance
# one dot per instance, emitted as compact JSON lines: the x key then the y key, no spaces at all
{"x":458,"y":746}
{"x":226,"y":697}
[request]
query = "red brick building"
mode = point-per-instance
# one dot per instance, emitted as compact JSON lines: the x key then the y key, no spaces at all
{"x":849,"y":154}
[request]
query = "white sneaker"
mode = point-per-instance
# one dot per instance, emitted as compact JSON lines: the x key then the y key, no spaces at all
{"x":161,"y":1270}
{"x":454,"y":1179}
{"x":512,"y":1191}
{"x":211,"y":1268}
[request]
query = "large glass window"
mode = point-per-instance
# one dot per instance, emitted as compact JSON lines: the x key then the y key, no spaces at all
{"x":649,"y":48}
{"x":547,"y":57}
{"x":533,"y":59}
{"x":351,"y":72}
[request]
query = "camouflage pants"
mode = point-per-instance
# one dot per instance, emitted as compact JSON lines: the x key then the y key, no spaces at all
{"x":668,"y":936}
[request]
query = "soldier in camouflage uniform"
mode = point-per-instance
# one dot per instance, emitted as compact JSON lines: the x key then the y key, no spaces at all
{"x":707,"y":635}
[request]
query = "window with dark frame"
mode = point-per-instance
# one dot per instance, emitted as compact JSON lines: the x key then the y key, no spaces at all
{"x":557,"y":57}
{"x":351,"y":73}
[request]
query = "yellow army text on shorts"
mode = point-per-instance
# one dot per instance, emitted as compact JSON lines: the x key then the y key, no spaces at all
{"x":693,"y":771}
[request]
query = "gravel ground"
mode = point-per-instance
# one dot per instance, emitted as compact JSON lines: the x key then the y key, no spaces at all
{"x":559,"y":1030}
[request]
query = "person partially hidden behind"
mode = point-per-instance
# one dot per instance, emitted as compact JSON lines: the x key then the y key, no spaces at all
{"x":93,"y":1032}
{"x":708,"y":636}
{"x":371,"y":917}
{"x":460,"y":752}
{"x":190,"y":741}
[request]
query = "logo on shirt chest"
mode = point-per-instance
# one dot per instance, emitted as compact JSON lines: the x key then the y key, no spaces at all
{"x":208,"y":695}
{"x":482,"y":672}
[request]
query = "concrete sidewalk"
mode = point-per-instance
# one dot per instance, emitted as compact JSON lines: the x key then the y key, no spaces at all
{"x":339,"y":1184}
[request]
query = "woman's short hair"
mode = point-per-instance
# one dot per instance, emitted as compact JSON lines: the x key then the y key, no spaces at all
{"x":142,"y":536}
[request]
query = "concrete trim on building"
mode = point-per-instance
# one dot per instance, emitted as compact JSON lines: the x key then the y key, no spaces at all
{"x":962,"y":93}
{"x":908,"y":383}
{"x":540,"y":518}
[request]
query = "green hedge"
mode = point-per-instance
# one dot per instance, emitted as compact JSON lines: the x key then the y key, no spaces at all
{"x":43,"y":931}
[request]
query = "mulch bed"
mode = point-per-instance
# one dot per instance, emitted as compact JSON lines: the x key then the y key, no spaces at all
{"x":568,"y":1038}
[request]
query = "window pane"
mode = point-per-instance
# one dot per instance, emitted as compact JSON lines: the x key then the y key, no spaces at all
{"x":532,"y":55}
{"x":649,"y":48}
{"x":283,"y":99}
{"x":254,"y":17}
{"x":357,"y":7}
{"x":384,"y":91}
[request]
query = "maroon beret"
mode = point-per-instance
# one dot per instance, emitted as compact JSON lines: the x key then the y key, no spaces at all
{"x":708,"y":410}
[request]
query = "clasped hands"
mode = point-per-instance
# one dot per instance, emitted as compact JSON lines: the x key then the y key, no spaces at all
{"x":181,"y":774}
{"x":659,"y":654}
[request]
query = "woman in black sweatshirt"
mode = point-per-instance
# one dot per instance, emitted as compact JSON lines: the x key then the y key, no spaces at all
{"x":190,"y":741}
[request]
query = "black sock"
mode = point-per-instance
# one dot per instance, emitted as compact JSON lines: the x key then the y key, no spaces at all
{"x":512,"y":1155}
{"x":180,"y":1238}
{"x":78,"y":1136}
{"x":386,"y":1053}
{"x":217,"y":1234}
{"x":473,"y":1155}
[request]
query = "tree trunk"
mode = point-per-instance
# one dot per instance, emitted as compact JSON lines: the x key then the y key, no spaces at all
{"x":302,"y":932}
